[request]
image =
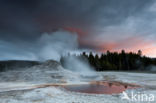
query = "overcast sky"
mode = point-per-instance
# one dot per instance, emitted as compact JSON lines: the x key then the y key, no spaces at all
{"x":100,"y":24}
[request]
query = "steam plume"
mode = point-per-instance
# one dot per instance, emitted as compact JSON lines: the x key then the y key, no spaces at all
{"x":48,"y":46}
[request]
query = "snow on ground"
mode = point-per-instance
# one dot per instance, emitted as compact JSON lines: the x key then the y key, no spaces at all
{"x":18,"y":86}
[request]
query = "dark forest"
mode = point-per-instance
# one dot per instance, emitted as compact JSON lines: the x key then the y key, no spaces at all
{"x":116,"y":61}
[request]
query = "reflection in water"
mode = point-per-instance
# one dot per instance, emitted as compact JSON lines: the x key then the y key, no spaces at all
{"x":101,"y":87}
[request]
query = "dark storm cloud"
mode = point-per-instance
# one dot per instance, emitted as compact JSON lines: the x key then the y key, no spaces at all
{"x":27,"y":18}
{"x":23,"y":21}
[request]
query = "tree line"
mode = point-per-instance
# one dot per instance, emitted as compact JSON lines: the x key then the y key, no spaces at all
{"x":116,"y":61}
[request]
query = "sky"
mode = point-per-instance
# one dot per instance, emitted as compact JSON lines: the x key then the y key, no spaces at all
{"x":101,"y":25}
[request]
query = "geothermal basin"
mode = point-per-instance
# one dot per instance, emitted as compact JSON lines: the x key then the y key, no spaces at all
{"x":101,"y":87}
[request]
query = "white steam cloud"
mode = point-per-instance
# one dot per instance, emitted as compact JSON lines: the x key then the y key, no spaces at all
{"x":48,"y":46}
{"x":78,"y":65}
{"x":56,"y":44}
